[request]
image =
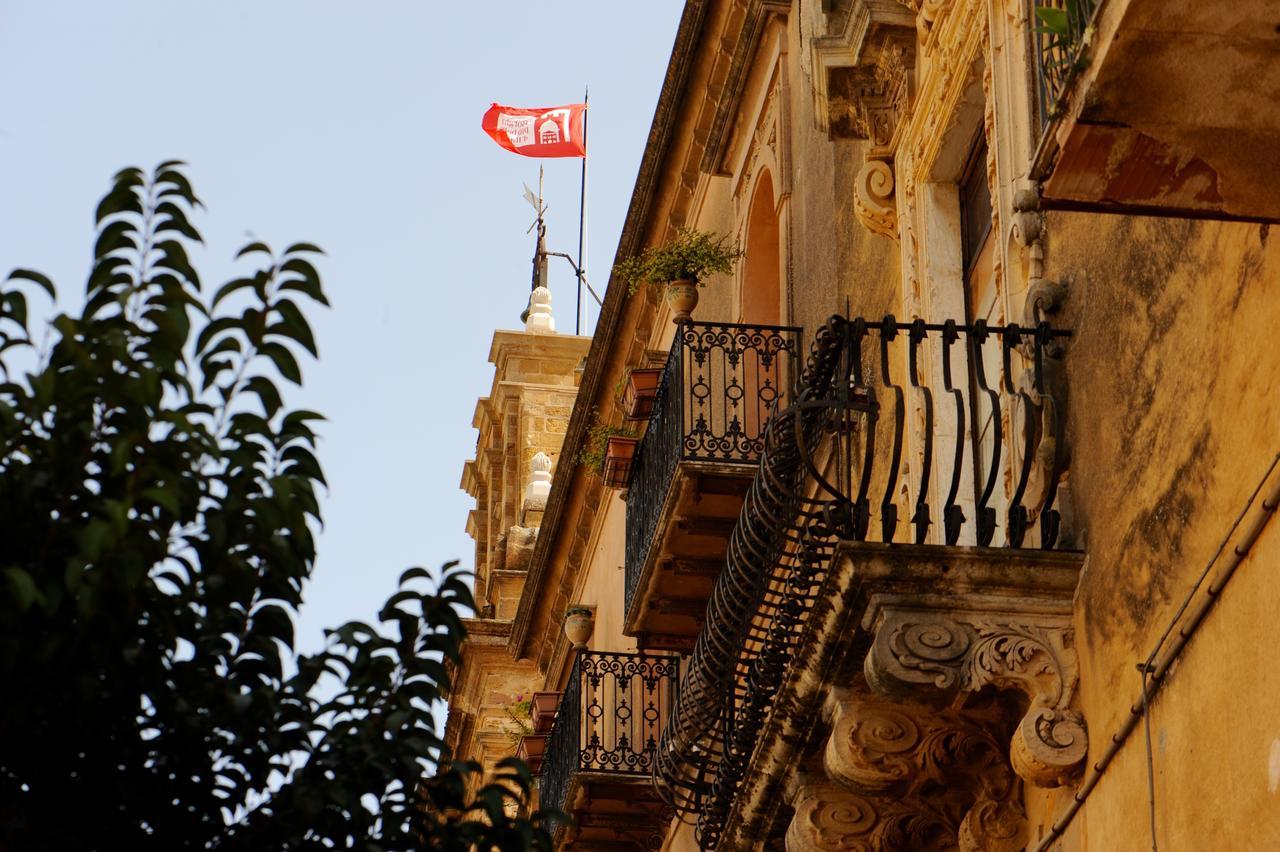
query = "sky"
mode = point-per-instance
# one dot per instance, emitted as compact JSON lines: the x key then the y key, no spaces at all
{"x":355,"y":126}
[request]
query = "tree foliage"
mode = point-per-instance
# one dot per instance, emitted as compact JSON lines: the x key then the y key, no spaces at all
{"x":159,"y":503}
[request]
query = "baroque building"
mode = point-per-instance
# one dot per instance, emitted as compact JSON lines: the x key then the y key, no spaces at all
{"x":949,"y":526}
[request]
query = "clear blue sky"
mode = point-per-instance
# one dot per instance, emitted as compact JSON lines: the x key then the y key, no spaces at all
{"x":355,"y":126}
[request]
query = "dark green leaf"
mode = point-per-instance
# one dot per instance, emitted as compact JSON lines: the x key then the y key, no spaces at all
{"x":36,"y":278}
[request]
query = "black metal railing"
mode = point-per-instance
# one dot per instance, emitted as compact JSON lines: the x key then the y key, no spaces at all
{"x":1057,"y":38}
{"x":610,"y":717}
{"x":721,"y":383}
{"x":954,"y":428}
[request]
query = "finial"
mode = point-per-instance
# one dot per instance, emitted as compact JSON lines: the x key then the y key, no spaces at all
{"x":540,"y":320}
{"x":535,"y":494}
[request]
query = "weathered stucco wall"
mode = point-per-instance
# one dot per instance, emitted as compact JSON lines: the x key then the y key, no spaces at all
{"x":1175,"y":416}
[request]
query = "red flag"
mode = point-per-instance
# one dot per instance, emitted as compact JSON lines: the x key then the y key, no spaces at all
{"x":548,"y":132}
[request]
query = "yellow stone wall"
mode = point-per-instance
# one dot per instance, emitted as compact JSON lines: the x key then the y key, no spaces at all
{"x":525,"y":413}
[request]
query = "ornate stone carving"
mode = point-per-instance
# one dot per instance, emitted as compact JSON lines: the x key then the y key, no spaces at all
{"x":829,"y":818}
{"x":944,"y":761}
{"x":934,"y":655}
{"x":873,"y":200}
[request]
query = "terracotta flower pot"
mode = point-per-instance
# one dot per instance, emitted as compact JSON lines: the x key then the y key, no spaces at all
{"x":531,"y":749}
{"x":544,"y":711}
{"x":619,"y":453}
{"x":641,"y":391}
{"x":579,"y":623}
{"x":682,"y":296}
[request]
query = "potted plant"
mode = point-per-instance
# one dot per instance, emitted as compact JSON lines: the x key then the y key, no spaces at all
{"x":683,"y":265}
{"x":640,"y":392}
{"x":531,"y":749}
{"x":545,"y":705}
{"x":609,"y":451}
{"x":579,"y":622}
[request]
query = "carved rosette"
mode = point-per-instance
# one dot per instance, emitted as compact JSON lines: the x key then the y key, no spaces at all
{"x":934,"y":655}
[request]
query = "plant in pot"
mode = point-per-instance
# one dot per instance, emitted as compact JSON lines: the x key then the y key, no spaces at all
{"x":545,"y":705}
{"x":609,"y":450}
{"x":683,"y":265}
{"x":640,"y":392}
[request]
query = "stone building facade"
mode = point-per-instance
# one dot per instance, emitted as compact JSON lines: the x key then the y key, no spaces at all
{"x":951,"y":525}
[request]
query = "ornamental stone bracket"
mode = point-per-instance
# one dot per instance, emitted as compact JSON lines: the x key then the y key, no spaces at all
{"x":1010,"y":631}
{"x":949,"y":766}
{"x":935,"y":686}
{"x":935,"y":655}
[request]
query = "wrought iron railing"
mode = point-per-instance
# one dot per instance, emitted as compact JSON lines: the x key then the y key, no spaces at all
{"x":1057,"y":38}
{"x":610,"y":717}
{"x":919,"y":432}
{"x":721,"y":383}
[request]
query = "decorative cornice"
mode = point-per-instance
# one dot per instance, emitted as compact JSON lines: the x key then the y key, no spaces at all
{"x":758,"y":14}
{"x":836,"y":55}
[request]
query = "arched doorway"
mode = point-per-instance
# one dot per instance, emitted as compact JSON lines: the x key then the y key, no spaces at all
{"x":761,"y":270}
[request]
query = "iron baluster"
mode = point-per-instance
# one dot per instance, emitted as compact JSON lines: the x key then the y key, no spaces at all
{"x":1050,"y":518}
{"x":889,"y":508}
{"x":1057,"y":53}
{"x":953,"y":514}
{"x":1019,"y":517}
{"x":610,"y":717}
{"x":921,"y":518}
{"x":986,"y":513}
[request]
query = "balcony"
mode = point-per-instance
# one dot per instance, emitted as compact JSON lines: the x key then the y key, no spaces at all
{"x":599,"y":758}
{"x":1145,"y":111}
{"x":903,"y":515}
{"x":693,"y":467}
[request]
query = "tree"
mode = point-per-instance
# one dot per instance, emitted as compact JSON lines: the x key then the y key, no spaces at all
{"x":158,"y":502}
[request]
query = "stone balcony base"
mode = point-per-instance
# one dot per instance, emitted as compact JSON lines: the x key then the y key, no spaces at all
{"x":930,"y":684}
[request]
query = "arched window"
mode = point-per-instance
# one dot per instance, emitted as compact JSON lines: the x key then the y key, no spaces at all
{"x":761,"y":270}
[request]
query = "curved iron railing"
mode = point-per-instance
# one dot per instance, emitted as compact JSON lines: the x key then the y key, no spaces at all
{"x":833,"y":468}
{"x":720,"y":385}
{"x":610,"y":717}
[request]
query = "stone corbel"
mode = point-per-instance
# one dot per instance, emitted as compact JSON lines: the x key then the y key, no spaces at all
{"x":829,"y":818}
{"x":880,"y":104}
{"x":943,"y":761}
{"x":935,"y":654}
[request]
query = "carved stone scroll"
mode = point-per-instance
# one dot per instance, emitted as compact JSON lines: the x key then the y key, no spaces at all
{"x":873,"y":200}
{"x":933,"y":655}
{"x":829,"y":818}
{"x":943,"y":761}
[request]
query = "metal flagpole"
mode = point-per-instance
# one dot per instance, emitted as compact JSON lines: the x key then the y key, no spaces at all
{"x":582,"y":218}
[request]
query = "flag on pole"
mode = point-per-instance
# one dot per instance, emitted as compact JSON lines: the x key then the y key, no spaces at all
{"x":548,"y":132}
